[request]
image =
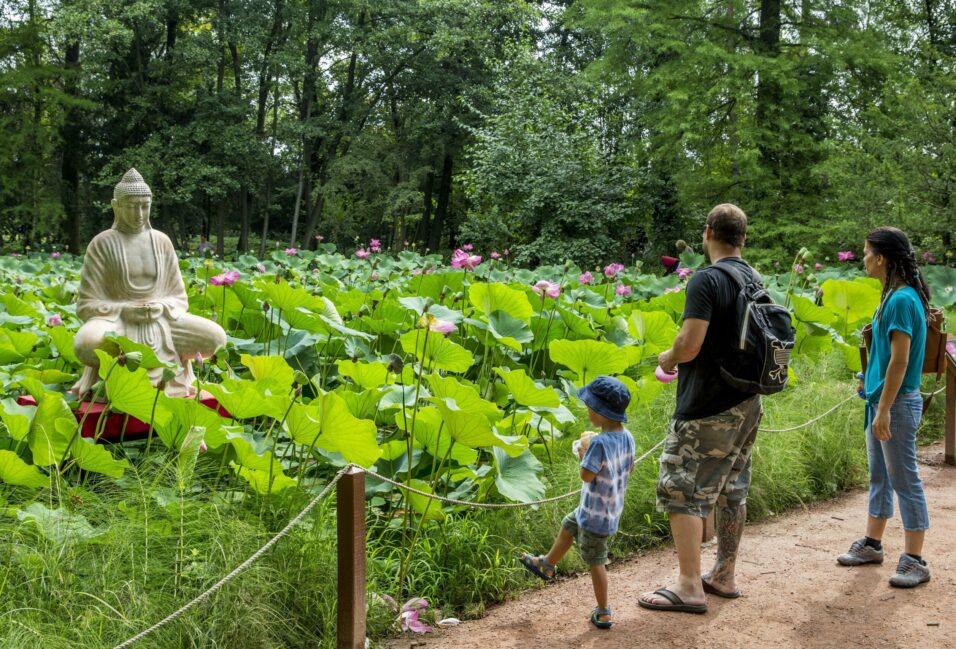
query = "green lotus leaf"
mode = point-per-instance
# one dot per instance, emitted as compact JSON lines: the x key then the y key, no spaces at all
{"x":805,"y":310}
{"x":525,"y":391}
{"x":476,"y":432}
{"x":188,"y":454}
{"x":48,"y":376}
{"x":16,"y":418}
{"x":851,"y":300}
{"x":248,"y":296}
{"x":245,"y":399}
{"x":393,"y":450}
{"x":617,"y":331}
{"x":362,"y":404}
{"x":436,"y":352}
{"x":589,"y":358}
{"x":653,"y":329}
{"x":132,"y":393}
{"x":430,"y":508}
{"x":434,"y":284}
{"x":91,"y":456}
{"x":559,"y":415}
{"x":546,"y":330}
{"x":397,"y":395}
{"x":17,"y":307}
{"x":184,"y":415}
{"x":365,"y":375}
{"x":260,"y":480}
{"x":576,"y":323}
{"x":488,"y":298}
{"x":429,"y":433}
{"x":15,"y":345}
{"x":58,"y":525}
{"x":150,"y":361}
{"x":518,"y":478}
{"x":509,"y":331}
{"x":942,"y":284}
{"x":811,"y":339}
{"x":330,"y":425}
{"x":691,"y":259}
{"x":48,"y":441}
{"x":271,"y":369}
{"x":851,"y":355}
{"x":461,"y":395}
{"x":62,"y":339}
{"x":286,"y":298}
{"x":15,"y":471}
{"x":644,"y":390}
{"x":307,"y":321}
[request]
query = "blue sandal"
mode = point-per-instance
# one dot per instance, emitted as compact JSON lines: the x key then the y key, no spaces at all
{"x":597,"y":613}
{"x":537,"y":566}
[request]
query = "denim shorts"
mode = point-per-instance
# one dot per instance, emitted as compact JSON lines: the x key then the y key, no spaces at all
{"x":706,"y":462}
{"x":592,"y":547}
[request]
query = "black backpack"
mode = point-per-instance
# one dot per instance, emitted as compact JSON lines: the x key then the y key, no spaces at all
{"x":757,"y":362}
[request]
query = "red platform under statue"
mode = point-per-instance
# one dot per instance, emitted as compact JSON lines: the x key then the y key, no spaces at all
{"x":118,"y":422}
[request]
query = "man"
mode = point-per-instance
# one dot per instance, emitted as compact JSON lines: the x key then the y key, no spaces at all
{"x":130,"y":285}
{"x":706,"y":457}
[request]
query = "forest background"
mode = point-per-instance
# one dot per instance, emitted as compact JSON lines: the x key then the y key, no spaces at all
{"x":587,"y":129}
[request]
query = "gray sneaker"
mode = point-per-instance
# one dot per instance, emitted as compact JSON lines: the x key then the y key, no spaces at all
{"x":860,"y":553}
{"x":909,"y":573}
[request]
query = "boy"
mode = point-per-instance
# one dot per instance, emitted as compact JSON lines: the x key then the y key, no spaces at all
{"x":606,"y":462}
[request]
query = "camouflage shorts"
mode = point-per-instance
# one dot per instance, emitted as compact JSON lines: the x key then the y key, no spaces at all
{"x":592,"y":547}
{"x":707,"y":461}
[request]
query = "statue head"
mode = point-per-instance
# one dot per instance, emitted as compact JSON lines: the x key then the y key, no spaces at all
{"x":131,"y":202}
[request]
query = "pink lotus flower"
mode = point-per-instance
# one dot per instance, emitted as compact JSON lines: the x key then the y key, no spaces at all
{"x":467,"y":247}
{"x":495,"y":254}
{"x":818,"y":266}
{"x":261,"y":267}
{"x":291,"y":251}
{"x":673,"y":289}
{"x":622,"y":289}
{"x":227,"y":278}
{"x":613,"y":269}
{"x":54,"y":320}
{"x":54,"y":254}
{"x":545,"y":288}
{"x":951,"y":349}
{"x":375,"y":245}
{"x":683,"y":273}
{"x":202,"y":446}
{"x":319,"y":238}
{"x":404,"y":244}
{"x":846,"y":255}
{"x":929,"y":257}
{"x":442,"y":326}
{"x":461,"y":259}
{"x":362,"y":253}
{"x":373,"y":276}
{"x":14,"y":254}
{"x":798,"y":269}
{"x":408,"y":618}
{"x":586,"y":278}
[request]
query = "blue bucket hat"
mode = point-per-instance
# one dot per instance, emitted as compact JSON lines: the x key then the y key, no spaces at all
{"x":606,"y":396}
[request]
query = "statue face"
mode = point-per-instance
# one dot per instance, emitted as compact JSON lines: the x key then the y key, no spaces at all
{"x":132,"y":212}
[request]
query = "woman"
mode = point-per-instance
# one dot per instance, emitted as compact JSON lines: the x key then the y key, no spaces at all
{"x":894,"y":406}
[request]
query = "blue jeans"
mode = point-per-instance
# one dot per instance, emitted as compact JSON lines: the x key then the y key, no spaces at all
{"x":893,"y":464}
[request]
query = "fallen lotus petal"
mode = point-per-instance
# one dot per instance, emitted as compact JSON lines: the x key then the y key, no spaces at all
{"x":415,"y":604}
{"x":449,"y":621}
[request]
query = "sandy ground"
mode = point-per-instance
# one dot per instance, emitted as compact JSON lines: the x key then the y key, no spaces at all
{"x":794,"y":594}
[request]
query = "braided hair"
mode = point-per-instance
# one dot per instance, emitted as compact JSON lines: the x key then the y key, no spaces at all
{"x":893,"y":244}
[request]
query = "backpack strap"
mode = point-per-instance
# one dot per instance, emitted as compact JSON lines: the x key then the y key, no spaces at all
{"x":734,"y":274}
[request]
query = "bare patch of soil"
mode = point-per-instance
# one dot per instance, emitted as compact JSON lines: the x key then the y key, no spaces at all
{"x":794,"y":593}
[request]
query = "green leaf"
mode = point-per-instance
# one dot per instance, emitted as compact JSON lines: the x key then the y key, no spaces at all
{"x":429,"y":433}
{"x":16,"y":418}
{"x":272,"y":369}
{"x":58,"y":525}
{"x":188,"y":454}
{"x":588,"y":358}
{"x":525,"y":391}
{"x":47,"y":439}
{"x":851,"y":300}
{"x":518,"y":478}
{"x":653,"y":329}
{"x":259,"y":479}
{"x":330,"y":425}
{"x":476,"y":432}
{"x":15,"y":471}
{"x":509,"y":331}
{"x":437,"y":352}
{"x":488,"y":298}
{"x":286,"y":298}
{"x":93,"y":457}
{"x":245,"y":399}
{"x":132,"y":393}
{"x":365,"y":375}
{"x":62,"y":339}
{"x":462,"y":395}
{"x":430,"y":508}
{"x":150,"y":360}
{"x":805,"y":310}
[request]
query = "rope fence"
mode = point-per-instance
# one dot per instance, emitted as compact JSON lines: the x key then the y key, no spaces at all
{"x":352,"y":576}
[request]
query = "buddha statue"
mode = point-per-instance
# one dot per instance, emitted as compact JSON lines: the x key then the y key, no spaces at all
{"x":130,"y":285}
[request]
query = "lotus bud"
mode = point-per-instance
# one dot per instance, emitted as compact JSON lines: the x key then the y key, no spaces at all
{"x":298,"y":391}
{"x":265,"y":306}
{"x":168,"y":375}
{"x":458,"y":297}
{"x":133,"y":360}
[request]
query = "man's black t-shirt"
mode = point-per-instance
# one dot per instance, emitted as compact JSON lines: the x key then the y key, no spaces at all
{"x":701,"y":392}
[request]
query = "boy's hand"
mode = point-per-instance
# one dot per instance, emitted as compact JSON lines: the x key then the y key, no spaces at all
{"x":585,"y":441}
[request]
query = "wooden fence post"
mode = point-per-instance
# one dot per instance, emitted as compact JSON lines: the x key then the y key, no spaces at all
{"x":949,"y":427}
{"x":350,"y":519}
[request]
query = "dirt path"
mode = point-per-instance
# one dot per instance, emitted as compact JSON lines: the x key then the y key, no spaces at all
{"x":794,"y":594}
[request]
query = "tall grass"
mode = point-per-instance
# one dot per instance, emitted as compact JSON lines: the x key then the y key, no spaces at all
{"x":157,"y":550}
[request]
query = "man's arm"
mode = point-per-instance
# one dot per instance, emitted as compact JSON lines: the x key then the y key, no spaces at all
{"x":686,"y":346}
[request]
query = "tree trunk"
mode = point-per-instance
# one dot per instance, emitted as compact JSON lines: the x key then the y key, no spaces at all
{"x":768,"y":90}
{"x":441,"y":209}
{"x":424,"y":225}
{"x":70,"y":167}
{"x":221,"y":228}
